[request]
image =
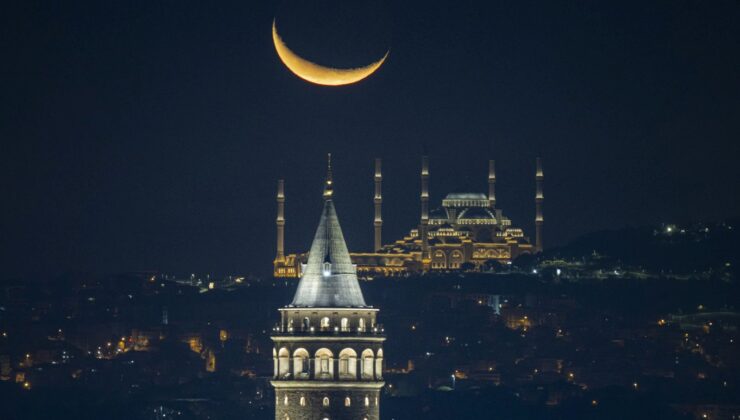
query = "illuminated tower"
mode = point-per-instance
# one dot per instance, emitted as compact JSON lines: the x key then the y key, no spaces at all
{"x":378,"y":203}
{"x":492,"y":183}
{"x":424,"y":224}
{"x":328,"y":354}
{"x":539,"y":199}
{"x":280,"y":222}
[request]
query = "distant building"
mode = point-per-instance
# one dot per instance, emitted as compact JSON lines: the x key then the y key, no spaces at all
{"x":328,"y":354}
{"x":466,"y":228}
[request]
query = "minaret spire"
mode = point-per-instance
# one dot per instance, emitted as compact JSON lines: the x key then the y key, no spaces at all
{"x":492,"y":183}
{"x":280,"y":221}
{"x":329,"y":184}
{"x":378,"y":222}
{"x":424,"y":223}
{"x":539,"y":199}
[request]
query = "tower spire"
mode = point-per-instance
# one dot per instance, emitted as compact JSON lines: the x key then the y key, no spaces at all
{"x":539,"y":199}
{"x":378,"y":222}
{"x":329,"y":279}
{"x":329,"y":184}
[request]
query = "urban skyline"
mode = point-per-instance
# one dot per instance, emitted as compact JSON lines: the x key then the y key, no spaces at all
{"x":537,"y":200}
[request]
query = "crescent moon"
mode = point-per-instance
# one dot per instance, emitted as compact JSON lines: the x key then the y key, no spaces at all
{"x":316,"y":73}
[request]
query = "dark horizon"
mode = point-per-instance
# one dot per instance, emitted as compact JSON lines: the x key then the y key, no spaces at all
{"x":151,"y":136}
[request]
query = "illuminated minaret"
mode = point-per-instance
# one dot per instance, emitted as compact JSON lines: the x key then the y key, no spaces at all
{"x":280,"y":221}
{"x":539,"y":198}
{"x":492,"y":183}
{"x":423,"y":227}
{"x":378,"y":203}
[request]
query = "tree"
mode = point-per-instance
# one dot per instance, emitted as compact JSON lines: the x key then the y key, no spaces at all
{"x":467,"y":266}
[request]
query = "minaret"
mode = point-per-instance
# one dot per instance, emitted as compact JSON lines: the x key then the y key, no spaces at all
{"x":328,"y":354}
{"x":492,"y":183}
{"x":539,"y":199}
{"x":280,"y":221}
{"x":378,"y":222}
{"x":424,"y":223}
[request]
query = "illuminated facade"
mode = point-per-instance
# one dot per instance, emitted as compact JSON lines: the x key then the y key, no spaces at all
{"x":328,"y":353}
{"x":467,"y":230}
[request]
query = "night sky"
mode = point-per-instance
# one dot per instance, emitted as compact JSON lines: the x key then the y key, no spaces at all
{"x":149,"y":135}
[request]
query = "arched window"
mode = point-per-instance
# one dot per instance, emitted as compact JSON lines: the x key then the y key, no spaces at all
{"x":300,"y":363}
{"x":347,"y":402}
{"x":367,"y":401}
{"x":361,"y":326}
{"x":367,"y":364}
{"x":303,"y":401}
{"x":347,"y":364}
{"x":324,"y":324}
{"x":285,"y":400}
{"x":345,"y":324}
{"x":326,"y":402}
{"x":379,"y":364}
{"x":283,"y":362}
{"x":323,"y":364}
{"x":306,"y":324}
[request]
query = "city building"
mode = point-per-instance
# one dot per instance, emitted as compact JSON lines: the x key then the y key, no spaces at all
{"x":468,"y":231}
{"x":328,"y":347}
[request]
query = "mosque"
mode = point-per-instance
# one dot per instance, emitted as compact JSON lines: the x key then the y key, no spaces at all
{"x":467,"y":231}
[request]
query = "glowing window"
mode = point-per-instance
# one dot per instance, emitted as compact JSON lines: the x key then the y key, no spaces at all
{"x":367,"y":401}
{"x":326,"y":401}
{"x":347,"y":402}
{"x":303,"y":401}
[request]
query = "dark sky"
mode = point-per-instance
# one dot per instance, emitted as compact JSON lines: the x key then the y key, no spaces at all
{"x":149,"y":135}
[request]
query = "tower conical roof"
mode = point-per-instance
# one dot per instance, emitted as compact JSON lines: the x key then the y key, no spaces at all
{"x":329,"y":278}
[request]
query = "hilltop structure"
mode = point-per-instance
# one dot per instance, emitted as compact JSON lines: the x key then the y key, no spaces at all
{"x":468,"y":228}
{"x":328,"y":354}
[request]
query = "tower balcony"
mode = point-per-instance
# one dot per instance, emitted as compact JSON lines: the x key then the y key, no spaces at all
{"x":282,"y":330}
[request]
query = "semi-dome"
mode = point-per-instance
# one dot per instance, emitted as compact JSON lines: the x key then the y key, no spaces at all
{"x":476,"y":213}
{"x":439,"y":213}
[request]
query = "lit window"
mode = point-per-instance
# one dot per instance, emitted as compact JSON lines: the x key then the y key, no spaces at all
{"x":285,"y":400}
{"x":303,"y":401}
{"x":347,"y":402}
{"x":367,"y":401}
{"x":326,"y":401}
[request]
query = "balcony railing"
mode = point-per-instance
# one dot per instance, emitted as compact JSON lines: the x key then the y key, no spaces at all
{"x":377,"y":331}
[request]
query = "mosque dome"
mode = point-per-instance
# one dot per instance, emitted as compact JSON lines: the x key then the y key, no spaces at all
{"x":466,"y":196}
